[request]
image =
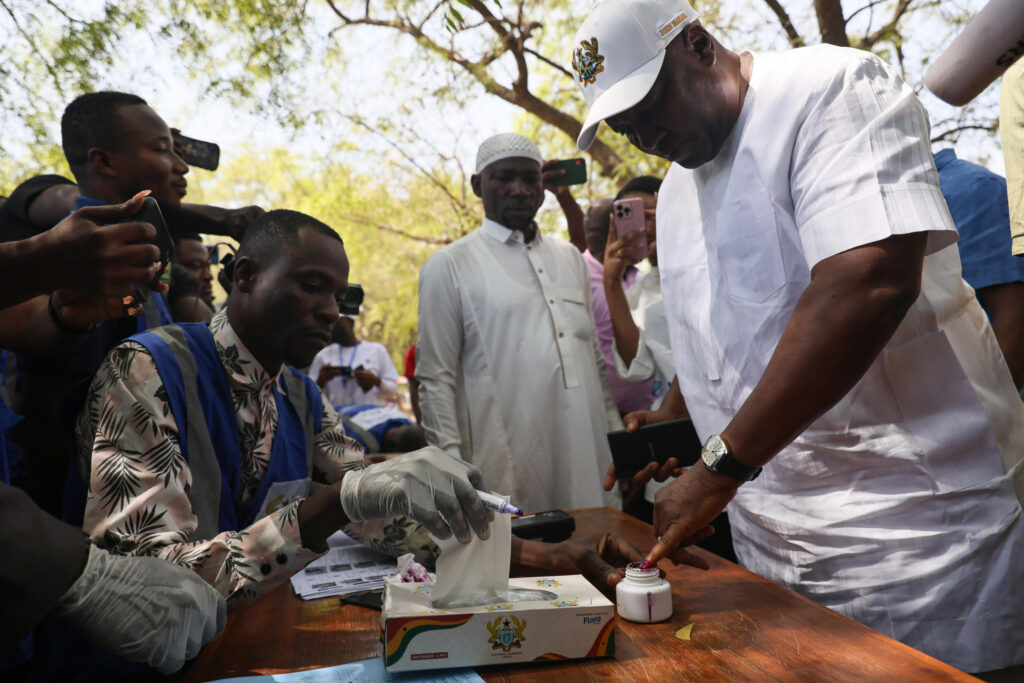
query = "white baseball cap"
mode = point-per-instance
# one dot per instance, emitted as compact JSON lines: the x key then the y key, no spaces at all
{"x":618,"y":51}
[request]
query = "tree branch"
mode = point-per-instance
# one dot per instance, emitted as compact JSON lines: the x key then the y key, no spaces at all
{"x":35,"y":48}
{"x":868,"y":41}
{"x":792,"y":35}
{"x":398,"y":231}
{"x":831,"y":22}
{"x":518,"y":95}
{"x":549,"y":62}
{"x":953,"y":133}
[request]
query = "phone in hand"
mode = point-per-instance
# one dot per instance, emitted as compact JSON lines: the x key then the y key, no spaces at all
{"x":654,"y":443}
{"x":198,"y":152}
{"x":575,"y":172}
{"x":150,"y":213}
{"x":630,"y":219}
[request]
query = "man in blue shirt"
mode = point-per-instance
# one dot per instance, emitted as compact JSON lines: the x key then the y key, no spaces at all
{"x":978,"y":203}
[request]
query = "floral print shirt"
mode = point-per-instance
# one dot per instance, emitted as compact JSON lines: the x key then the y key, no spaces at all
{"x":127,"y":440}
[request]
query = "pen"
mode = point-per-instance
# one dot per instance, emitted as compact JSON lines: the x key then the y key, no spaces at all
{"x":497,"y":503}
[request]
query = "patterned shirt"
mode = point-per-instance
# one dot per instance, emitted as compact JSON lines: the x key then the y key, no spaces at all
{"x":139,"y":479}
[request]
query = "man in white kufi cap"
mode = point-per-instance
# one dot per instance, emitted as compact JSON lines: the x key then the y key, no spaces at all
{"x":821,"y":331}
{"x":511,"y":375}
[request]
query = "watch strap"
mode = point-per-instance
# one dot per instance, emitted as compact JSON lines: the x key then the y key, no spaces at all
{"x":732,"y":467}
{"x":724,"y":461}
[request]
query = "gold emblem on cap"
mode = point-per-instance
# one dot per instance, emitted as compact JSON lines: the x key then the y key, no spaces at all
{"x":586,"y":62}
{"x":672,"y":24}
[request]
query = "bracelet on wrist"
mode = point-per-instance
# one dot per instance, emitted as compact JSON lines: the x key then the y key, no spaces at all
{"x":63,"y":325}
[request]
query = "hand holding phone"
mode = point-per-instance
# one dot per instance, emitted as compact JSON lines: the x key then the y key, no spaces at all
{"x":629,"y":219}
{"x":654,"y":443}
{"x":564,"y":173}
{"x":150,"y":213}
{"x":196,"y":152}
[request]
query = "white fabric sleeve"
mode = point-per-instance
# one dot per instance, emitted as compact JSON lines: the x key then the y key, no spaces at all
{"x":642,"y":367}
{"x":438,"y":352}
{"x":388,"y":374}
{"x":611,"y":410}
{"x":862,"y":168}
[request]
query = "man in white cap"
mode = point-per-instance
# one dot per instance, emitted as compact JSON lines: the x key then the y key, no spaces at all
{"x":822,"y":331}
{"x":511,"y":374}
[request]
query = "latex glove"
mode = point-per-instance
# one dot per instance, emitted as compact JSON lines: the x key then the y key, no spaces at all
{"x":428,"y":485}
{"x":143,"y":609}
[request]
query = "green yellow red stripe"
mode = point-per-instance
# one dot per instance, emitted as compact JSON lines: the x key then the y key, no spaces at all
{"x":400,"y":632}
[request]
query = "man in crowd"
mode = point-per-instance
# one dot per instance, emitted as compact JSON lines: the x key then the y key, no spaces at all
{"x":139,"y":609}
{"x":977,"y":202}
{"x":202,"y":442}
{"x":822,"y":332}
{"x":629,"y":396}
{"x":116,"y":146}
{"x":354,"y":371}
{"x":511,"y":374}
{"x":191,"y":254}
{"x":230,"y":498}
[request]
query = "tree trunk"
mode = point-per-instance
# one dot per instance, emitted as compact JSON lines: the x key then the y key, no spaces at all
{"x":831,"y":22}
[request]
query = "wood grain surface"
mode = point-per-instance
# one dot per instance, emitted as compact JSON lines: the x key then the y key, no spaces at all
{"x":745,"y":628}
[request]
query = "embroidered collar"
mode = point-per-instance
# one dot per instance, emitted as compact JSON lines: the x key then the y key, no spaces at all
{"x":244,"y":371}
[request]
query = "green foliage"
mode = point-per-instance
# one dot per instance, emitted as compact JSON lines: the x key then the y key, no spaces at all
{"x":390,"y":184}
{"x":363,"y":208}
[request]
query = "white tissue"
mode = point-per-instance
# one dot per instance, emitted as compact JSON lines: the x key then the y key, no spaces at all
{"x":474,"y":573}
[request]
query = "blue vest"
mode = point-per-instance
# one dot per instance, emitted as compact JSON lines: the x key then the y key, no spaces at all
{"x":200,"y":397}
{"x":21,"y":652}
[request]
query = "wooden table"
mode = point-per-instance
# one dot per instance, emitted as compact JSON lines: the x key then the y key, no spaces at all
{"x":744,"y":628}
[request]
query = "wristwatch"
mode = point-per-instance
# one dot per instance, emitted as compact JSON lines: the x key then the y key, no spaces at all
{"x":717,"y":458}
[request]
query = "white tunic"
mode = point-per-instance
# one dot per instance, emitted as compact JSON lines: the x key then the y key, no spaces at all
{"x":511,"y":375}
{"x":342,"y":391}
{"x":653,"y":359}
{"x":897,"y":507}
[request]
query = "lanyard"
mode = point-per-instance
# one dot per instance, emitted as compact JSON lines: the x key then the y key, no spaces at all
{"x":351,"y":358}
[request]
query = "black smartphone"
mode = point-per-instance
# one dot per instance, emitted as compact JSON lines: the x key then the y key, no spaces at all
{"x":552,"y":526}
{"x":575,"y":172}
{"x":658,"y":442}
{"x":374,"y":599}
{"x":150,"y":213}
{"x":352,"y":301}
{"x":198,"y":152}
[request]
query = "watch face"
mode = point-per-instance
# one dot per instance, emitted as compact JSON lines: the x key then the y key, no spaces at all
{"x":713,"y":451}
{"x":710,"y":457}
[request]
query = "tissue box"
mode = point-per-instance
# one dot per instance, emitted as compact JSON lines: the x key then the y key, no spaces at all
{"x":578,"y":623}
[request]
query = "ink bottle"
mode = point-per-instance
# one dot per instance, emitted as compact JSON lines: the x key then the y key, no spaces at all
{"x":643,"y":596}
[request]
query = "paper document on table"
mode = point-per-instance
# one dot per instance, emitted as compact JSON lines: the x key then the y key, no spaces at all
{"x":368,"y":671}
{"x":347,"y":567}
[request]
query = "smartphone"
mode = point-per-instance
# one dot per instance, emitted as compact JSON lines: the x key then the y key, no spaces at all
{"x":198,"y":152}
{"x":658,"y":442}
{"x":150,"y":213}
{"x":352,"y":301}
{"x":630,"y":219}
{"x":575,"y":172}
{"x":374,"y":599}
{"x":553,"y":526}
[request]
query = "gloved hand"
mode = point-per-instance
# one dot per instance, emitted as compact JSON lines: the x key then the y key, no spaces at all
{"x":143,"y":609}
{"x":428,"y":485}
